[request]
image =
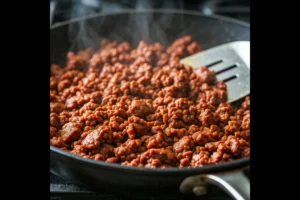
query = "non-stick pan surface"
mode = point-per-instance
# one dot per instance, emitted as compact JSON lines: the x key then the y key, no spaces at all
{"x":150,"y":25}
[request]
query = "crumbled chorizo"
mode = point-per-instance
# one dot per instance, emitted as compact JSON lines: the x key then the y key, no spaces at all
{"x":141,"y":107}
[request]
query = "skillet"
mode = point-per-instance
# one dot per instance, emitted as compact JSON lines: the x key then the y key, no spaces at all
{"x":164,"y":26}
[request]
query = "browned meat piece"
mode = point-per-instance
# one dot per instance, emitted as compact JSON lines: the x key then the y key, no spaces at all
{"x":70,"y":132}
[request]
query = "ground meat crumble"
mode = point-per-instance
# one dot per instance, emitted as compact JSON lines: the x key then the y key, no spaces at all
{"x":140,"y":107}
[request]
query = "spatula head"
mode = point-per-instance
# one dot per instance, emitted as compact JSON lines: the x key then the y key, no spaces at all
{"x":231,"y":62}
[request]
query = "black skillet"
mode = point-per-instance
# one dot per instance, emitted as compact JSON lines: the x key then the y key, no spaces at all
{"x":149,"y":25}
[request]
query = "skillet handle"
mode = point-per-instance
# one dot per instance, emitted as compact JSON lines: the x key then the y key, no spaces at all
{"x":235,"y":183}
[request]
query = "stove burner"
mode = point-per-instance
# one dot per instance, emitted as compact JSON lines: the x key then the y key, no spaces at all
{"x":64,"y":190}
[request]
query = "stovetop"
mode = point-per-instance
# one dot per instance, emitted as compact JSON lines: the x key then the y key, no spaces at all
{"x":67,"y":9}
{"x":61,"y":189}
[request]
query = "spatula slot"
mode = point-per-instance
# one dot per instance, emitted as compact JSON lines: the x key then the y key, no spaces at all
{"x":226,"y":69}
{"x":230,"y":78}
{"x":214,"y":63}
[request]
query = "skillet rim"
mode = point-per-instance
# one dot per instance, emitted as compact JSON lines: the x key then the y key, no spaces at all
{"x":132,"y":11}
{"x":235,"y":164}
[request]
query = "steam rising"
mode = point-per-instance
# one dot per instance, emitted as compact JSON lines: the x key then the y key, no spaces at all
{"x":89,"y":33}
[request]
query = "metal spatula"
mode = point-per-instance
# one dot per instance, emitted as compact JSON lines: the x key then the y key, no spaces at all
{"x":231,"y":62}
